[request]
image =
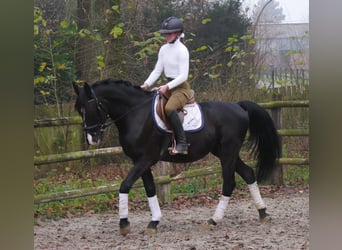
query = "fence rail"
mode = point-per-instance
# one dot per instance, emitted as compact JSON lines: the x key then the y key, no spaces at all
{"x":75,"y":120}
{"x":160,"y":180}
{"x":91,"y":153}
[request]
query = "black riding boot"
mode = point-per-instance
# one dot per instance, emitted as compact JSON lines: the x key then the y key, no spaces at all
{"x":181,"y":144}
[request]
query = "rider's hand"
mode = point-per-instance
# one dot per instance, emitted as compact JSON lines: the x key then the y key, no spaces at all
{"x":163,"y":89}
{"x":144,"y":86}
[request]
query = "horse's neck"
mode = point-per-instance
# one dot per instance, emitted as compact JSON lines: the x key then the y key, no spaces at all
{"x":124,"y":103}
{"x":135,"y":120}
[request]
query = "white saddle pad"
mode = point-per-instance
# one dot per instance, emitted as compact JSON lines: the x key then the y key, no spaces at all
{"x":193,"y":119}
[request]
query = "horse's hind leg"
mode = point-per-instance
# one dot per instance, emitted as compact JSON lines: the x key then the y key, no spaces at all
{"x":248,"y":175}
{"x":153,"y":203}
{"x":227,"y":188}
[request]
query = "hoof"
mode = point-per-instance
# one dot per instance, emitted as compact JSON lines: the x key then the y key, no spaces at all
{"x":152,"y":228}
{"x":125,"y":230}
{"x":264,"y":217}
{"x":125,"y":227}
{"x":209,"y":224}
{"x":151,"y":231}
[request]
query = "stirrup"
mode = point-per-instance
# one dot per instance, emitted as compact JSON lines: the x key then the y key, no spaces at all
{"x":174,"y":151}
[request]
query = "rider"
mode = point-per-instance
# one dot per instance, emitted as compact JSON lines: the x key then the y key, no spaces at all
{"x":173,"y":60}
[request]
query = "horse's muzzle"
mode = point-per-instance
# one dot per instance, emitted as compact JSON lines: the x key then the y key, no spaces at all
{"x":93,"y":139}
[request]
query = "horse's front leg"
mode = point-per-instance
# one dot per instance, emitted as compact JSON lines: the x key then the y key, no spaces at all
{"x":153,"y":203}
{"x":124,"y":224}
{"x":125,"y":187}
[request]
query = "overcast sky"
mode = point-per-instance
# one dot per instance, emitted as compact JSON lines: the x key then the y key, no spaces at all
{"x":296,"y":11}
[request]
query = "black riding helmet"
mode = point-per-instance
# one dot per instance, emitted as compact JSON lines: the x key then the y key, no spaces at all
{"x":170,"y":25}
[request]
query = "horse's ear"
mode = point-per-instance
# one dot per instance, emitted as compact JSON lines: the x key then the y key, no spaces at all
{"x":87,"y":90}
{"x":76,"y":88}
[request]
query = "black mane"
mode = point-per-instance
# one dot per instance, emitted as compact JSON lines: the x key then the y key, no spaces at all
{"x":112,"y":81}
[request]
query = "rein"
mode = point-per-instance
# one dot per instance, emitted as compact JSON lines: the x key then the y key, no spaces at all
{"x":130,"y":110}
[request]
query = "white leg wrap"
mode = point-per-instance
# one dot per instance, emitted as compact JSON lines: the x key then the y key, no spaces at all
{"x":154,"y":207}
{"x":123,"y":206}
{"x":221,"y":207}
{"x":255,"y":193}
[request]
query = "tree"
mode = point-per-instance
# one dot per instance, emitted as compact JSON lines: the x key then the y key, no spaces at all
{"x":113,"y":38}
{"x":84,"y":53}
{"x":54,"y":45}
{"x":268,"y":12}
{"x":223,"y":19}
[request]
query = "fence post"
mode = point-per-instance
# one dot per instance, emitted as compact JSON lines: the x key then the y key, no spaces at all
{"x":277,"y":175}
{"x":163,"y":190}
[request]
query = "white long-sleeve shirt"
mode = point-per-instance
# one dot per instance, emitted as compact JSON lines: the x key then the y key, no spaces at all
{"x":173,"y":60}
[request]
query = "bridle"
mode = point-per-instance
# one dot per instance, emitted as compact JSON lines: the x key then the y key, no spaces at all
{"x":104,"y":123}
{"x":101,"y":125}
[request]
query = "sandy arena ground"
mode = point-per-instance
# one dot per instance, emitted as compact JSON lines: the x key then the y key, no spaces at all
{"x":182,"y":229}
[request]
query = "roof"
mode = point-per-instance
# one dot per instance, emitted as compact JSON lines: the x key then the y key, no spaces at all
{"x":282,"y":30}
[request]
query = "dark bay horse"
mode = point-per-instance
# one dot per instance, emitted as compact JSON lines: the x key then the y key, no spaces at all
{"x":223,"y":133}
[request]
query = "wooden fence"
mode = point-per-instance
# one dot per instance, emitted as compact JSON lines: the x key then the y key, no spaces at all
{"x":162,"y":181}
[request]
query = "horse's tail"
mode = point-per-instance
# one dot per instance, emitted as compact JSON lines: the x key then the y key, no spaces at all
{"x":264,"y":137}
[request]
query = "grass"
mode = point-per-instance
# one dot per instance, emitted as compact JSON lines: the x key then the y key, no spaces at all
{"x":56,"y":209}
{"x":296,"y":175}
{"x":293,"y":175}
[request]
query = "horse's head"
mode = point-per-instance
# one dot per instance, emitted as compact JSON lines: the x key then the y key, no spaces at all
{"x":93,"y":113}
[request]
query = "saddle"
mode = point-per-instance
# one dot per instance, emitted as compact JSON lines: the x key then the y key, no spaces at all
{"x":160,"y":108}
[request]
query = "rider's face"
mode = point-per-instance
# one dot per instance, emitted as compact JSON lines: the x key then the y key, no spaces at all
{"x":170,"y":37}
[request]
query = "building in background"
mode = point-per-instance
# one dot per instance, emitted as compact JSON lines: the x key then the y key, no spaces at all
{"x":283,"y":45}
